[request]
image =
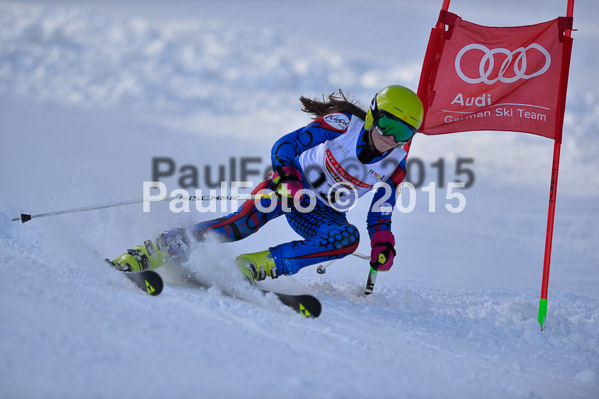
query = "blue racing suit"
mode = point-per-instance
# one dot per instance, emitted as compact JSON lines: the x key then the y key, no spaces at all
{"x":325,"y":231}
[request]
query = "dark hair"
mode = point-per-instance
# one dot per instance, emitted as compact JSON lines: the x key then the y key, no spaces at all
{"x":336,"y":102}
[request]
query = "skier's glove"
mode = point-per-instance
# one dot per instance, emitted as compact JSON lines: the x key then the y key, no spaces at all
{"x":287,"y":181}
{"x":383,"y":250}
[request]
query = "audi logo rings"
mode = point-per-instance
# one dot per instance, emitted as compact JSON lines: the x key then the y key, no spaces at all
{"x":487,"y":64}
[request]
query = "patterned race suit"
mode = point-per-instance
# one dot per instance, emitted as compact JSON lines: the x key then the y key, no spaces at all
{"x":327,"y":233}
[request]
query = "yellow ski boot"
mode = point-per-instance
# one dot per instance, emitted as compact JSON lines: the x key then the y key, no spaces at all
{"x":257,"y":266}
{"x":142,"y":257}
{"x":172,"y":245}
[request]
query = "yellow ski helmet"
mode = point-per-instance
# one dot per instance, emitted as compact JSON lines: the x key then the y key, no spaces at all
{"x":395,"y":111}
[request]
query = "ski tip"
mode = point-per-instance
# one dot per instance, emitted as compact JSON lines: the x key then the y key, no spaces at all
{"x":306,"y":305}
{"x":154,"y":285}
{"x":23,"y":218}
{"x":309,"y":306}
{"x":148,"y":280}
{"x":312,"y":312}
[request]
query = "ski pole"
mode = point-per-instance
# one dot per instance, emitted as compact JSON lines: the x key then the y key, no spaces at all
{"x":322,"y":269}
{"x":25,"y":217}
{"x":370,"y":282}
{"x":371,"y":275}
{"x":361,"y":256}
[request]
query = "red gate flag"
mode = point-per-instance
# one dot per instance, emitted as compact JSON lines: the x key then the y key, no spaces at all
{"x":510,"y":78}
{"x":495,"y":78}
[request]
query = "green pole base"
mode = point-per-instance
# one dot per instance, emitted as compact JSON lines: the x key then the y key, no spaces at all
{"x":542,"y":312}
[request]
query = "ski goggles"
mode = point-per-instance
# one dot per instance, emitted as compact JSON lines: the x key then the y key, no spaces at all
{"x":389,"y":125}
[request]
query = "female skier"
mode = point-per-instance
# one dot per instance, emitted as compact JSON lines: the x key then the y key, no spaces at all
{"x":344,"y":150}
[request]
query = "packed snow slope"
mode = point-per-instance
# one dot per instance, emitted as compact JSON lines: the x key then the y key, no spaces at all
{"x":91,"y":92}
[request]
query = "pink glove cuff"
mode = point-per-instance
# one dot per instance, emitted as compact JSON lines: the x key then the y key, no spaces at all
{"x":383,"y":251}
{"x":381,"y":237}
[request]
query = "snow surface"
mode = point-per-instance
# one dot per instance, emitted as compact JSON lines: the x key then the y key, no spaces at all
{"x":91,"y":91}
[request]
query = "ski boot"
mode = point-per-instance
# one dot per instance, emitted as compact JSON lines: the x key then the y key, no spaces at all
{"x":257,"y":266}
{"x":172,"y":246}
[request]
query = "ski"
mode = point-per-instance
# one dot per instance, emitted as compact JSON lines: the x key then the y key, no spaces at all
{"x":147,"y":280}
{"x":306,"y":305}
{"x":150,"y":282}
